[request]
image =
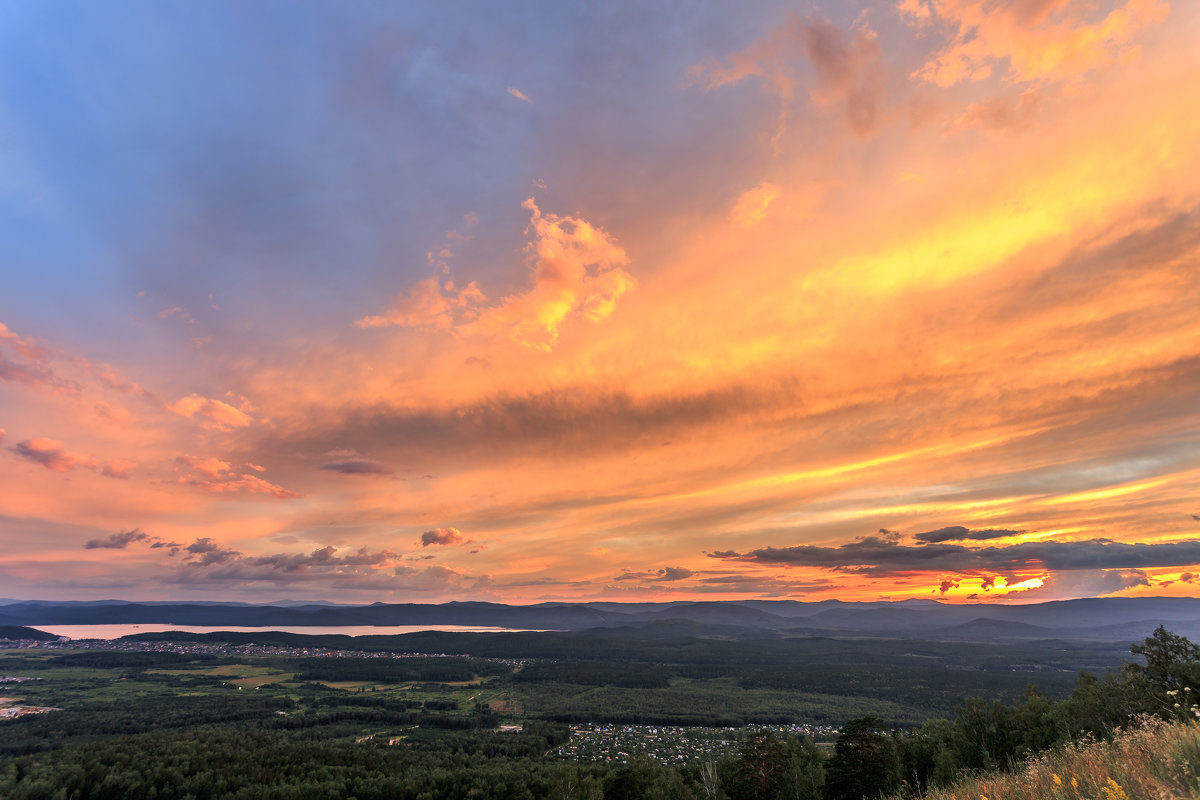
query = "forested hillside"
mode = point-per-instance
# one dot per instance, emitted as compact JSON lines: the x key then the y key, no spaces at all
{"x":189,"y":725}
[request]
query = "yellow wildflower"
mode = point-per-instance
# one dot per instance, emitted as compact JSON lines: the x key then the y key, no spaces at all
{"x":1057,"y":780}
{"x":1114,"y":791}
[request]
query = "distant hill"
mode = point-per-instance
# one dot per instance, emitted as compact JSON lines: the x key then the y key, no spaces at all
{"x":21,"y":632}
{"x":985,"y":629}
{"x":1108,"y":619}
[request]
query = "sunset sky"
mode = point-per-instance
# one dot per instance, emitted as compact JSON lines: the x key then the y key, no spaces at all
{"x":609,"y":301}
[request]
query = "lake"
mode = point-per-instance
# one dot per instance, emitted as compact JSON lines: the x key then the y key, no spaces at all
{"x":116,"y":631}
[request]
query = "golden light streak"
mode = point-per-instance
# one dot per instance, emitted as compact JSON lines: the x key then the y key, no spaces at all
{"x":1104,"y":494}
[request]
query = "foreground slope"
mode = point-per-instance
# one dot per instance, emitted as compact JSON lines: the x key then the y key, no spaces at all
{"x":1154,"y":759}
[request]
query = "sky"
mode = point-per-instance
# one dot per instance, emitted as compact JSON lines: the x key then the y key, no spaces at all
{"x":525,"y":302}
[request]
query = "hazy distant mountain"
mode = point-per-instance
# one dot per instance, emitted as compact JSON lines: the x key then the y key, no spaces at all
{"x":1115,"y":619}
{"x":984,"y":629}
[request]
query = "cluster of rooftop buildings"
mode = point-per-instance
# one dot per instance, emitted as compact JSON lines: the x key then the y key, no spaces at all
{"x":596,"y":743}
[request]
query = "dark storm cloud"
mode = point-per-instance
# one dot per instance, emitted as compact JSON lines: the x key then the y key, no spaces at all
{"x":51,"y":454}
{"x":442,"y":536}
{"x":206,"y":552}
{"x":119,"y":541}
{"x":48,"y":453}
{"x":664,"y":574}
{"x":359,"y":466}
{"x":959,"y":533}
{"x":361,"y":570}
{"x":874,"y":556}
{"x":207,"y":562}
{"x":324,"y":557}
{"x":674,"y":573}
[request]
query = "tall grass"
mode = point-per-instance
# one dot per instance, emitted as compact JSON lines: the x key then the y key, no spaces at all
{"x":1154,"y":759}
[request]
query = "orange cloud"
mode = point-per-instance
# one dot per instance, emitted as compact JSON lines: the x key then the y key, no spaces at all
{"x":218,"y":477}
{"x":517,"y":93}
{"x":208,"y":467}
{"x":752,"y":204}
{"x":442,"y":536}
{"x":116,"y":468}
{"x":32,"y":366}
{"x":211,"y":413}
{"x":50,"y":454}
{"x":576,"y":272}
{"x":1043,"y":40}
{"x":1001,"y":113}
{"x":114,"y":414}
{"x":429,"y":303}
{"x":25,"y":346}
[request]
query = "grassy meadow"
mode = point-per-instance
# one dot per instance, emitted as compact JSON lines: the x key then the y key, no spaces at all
{"x":1153,"y":759}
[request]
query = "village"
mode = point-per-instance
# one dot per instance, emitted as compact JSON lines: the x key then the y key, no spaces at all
{"x":598,"y":743}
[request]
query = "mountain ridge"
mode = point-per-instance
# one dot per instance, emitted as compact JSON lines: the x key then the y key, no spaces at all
{"x":1093,"y":618}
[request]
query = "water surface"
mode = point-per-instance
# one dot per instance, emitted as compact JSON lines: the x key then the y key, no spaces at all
{"x":117,"y":630}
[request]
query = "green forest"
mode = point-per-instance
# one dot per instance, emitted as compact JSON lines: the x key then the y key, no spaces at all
{"x":802,"y":718}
